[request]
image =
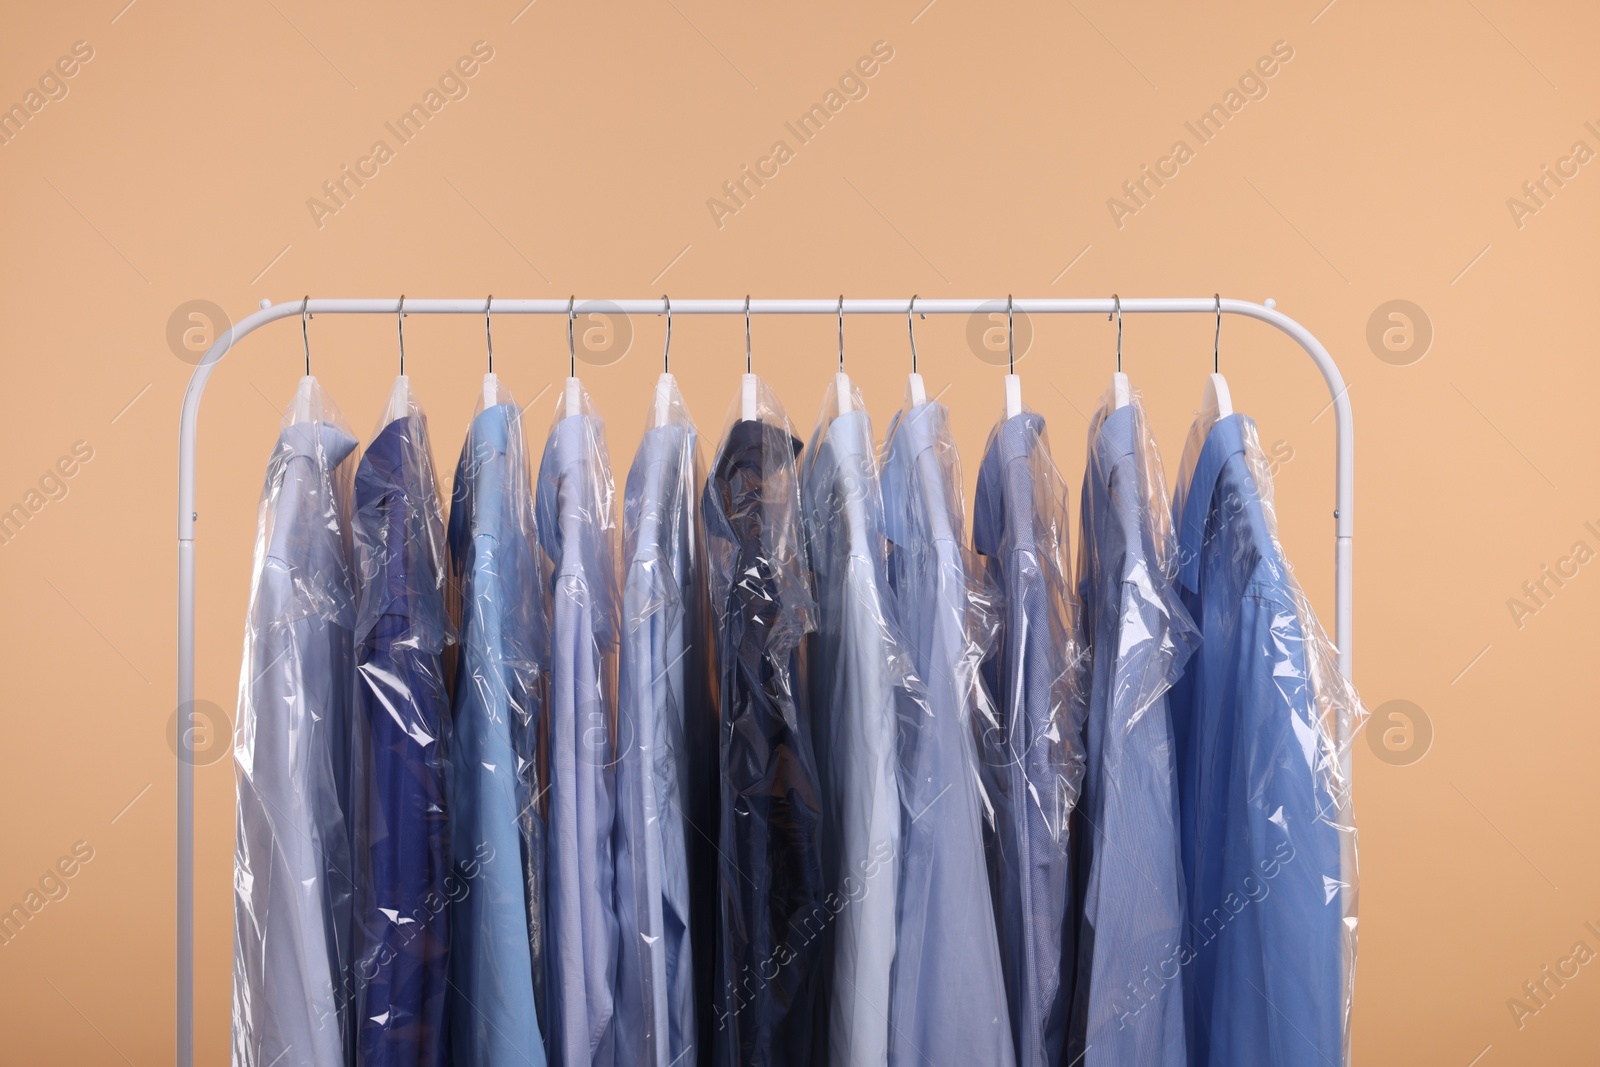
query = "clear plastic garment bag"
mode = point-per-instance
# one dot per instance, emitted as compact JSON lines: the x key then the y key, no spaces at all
{"x":861,"y":686}
{"x":496,"y":833}
{"x":948,"y":996}
{"x":1267,"y":830}
{"x":577,"y":527}
{"x":773,"y":904}
{"x":292,"y":877}
{"x":400,"y":821}
{"x":666,"y":753}
{"x":1032,"y":760}
{"x":1128,"y":898}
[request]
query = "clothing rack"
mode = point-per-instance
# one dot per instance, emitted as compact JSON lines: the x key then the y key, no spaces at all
{"x":1343,"y":514}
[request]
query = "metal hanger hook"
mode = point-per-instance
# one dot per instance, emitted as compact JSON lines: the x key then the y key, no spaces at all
{"x":841,"y":333}
{"x":1011,"y":345}
{"x":666,"y":367}
{"x":488,"y":334}
{"x":572,"y":351}
{"x":400,"y":325}
{"x":305,"y":339}
{"x":1116,"y":309}
{"x":912,"y":331}
{"x":747,"y":333}
{"x":1216,"y":339}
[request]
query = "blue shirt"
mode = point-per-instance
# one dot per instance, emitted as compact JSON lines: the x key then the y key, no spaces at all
{"x":1128,"y":991}
{"x":1031,"y":761}
{"x":1260,"y":842}
{"x":949,"y":997}
{"x":576,"y":528}
{"x":292,"y":872}
{"x":496,"y":923}
{"x":403,"y":717}
{"x":666,"y":874}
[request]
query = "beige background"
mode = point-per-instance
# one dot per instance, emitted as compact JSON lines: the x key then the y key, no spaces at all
{"x":1377,"y":167}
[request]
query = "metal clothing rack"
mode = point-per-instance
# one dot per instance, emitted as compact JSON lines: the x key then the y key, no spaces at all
{"x":1343,"y":514}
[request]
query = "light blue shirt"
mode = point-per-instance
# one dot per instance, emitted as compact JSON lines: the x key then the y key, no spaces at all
{"x":292,"y":873}
{"x":666,"y":760}
{"x":496,"y":835}
{"x":1260,"y":838}
{"x":576,"y":528}
{"x":948,"y":998}
{"x":858,"y":692}
{"x":1128,"y":993}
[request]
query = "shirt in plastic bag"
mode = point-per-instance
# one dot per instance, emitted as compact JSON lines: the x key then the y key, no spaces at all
{"x":292,"y":873}
{"x":859,"y":676}
{"x":772,"y":900}
{"x":1033,"y":762}
{"x":666,"y":759}
{"x":1128,"y":991}
{"x":400,"y":827}
{"x":496,"y":835}
{"x":949,"y":999}
{"x":577,"y":527}
{"x":1265,"y":797}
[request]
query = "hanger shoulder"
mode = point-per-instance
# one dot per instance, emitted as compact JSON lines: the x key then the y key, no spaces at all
{"x":1216,"y":397}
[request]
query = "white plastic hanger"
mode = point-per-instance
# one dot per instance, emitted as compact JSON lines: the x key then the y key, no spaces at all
{"x":919,"y":392}
{"x":1216,"y":396}
{"x":841,"y":381}
{"x":1013,"y":383}
{"x":747,"y":385}
{"x":304,"y":409}
{"x":1119,"y":381}
{"x":664,"y":384}
{"x":400,"y":396}
{"x":491,"y":384}
{"x":574,"y":390}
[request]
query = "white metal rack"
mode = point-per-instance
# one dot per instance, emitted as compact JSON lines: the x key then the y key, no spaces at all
{"x":1344,"y":491}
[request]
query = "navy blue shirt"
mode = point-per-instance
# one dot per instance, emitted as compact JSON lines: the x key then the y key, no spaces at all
{"x":402,"y":722}
{"x":773,"y":907}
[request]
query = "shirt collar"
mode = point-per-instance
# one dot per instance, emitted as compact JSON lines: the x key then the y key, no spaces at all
{"x":573,"y":504}
{"x":912,"y":433}
{"x":1000,"y":503}
{"x":751,"y":453}
{"x":479,"y":493}
{"x":321,"y":441}
{"x":1117,"y":440}
{"x":387,"y":454}
{"x":301,"y":532}
{"x":651,"y":499}
{"x":849,"y":440}
{"x":492,"y":427}
{"x":1225,"y":441}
